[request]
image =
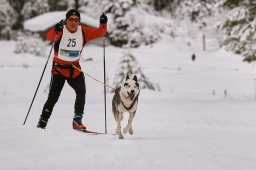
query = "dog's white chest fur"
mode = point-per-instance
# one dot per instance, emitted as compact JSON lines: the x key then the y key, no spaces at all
{"x":127,"y":103}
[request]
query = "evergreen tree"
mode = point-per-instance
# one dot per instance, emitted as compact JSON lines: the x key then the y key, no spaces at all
{"x":128,"y":65}
{"x":33,"y":8}
{"x":92,"y":8}
{"x":239,"y":28}
{"x":195,"y":21}
{"x":17,"y":6}
{"x":197,"y":11}
{"x":158,"y":5}
{"x":123,"y":24}
{"x":7,"y":18}
{"x":60,"y":5}
{"x":127,"y":30}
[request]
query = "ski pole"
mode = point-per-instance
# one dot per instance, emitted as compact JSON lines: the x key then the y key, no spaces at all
{"x":104,"y":65}
{"x":40,"y":80}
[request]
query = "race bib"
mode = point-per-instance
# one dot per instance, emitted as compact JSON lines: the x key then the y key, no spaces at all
{"x":71,"y":45}
{"x":69,"y":53}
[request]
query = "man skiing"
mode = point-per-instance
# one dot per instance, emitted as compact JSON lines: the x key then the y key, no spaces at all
{"x":70,"y":38}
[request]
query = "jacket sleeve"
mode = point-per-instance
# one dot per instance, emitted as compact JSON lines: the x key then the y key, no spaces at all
{"x":51,"y":35}
{"x":93,"y":33}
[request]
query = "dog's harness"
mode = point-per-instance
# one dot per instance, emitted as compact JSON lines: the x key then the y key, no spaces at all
{"x":132,"y":104}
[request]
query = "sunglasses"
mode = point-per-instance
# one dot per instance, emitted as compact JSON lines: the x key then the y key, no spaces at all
{"x":73,"y":19}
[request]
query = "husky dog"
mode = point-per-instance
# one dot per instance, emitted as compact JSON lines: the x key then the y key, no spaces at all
{"x":125,"y":100}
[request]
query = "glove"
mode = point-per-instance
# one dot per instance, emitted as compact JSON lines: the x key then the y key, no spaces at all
{"x":59,"y":26}
{"x":103,"y":18}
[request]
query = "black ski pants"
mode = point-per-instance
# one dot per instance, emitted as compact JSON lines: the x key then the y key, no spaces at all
{"x":56,"y":86}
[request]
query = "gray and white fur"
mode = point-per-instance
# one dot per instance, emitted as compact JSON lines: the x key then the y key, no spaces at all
{"x":125,"y":100}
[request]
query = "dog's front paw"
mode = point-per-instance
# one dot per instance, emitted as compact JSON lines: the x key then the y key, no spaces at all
{"x":120,"y":136}
{"x":118,"y":131}
{"x":131,"y":131}
{"x":125,"y":130}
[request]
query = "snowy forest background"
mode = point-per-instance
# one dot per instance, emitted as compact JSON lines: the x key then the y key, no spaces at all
{"x":230,"y":23}
{"x":201,"y":115}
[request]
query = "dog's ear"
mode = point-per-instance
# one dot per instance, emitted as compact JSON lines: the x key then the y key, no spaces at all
{"x":127,"y":77}
{"x":135,"y":78}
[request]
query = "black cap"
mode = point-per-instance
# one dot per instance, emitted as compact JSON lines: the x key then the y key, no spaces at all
{"x":72,"y":12}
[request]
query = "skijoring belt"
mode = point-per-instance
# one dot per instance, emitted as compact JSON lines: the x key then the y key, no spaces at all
{"x":57,"y":66}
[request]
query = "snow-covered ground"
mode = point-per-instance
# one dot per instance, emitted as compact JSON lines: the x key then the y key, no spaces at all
{"x":202,"y":119}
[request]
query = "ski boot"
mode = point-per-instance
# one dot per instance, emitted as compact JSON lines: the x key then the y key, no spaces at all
{"x":77,"y":122}
{"x":42,"y":123}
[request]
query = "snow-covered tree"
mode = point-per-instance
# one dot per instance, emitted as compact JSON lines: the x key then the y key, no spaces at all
{"x":195,"y":22}
{"x":7,"y":18}
{"x":239,"y":28}
{"x":59,"y":5}
{"x":17,"y":6}
{"x":124,"y":27}
{"x":197,"y":11}
{"x":161,"y":4}
{"x":128,"y":65}
{"x":158,"y":4}
{"x":92,"y":8}
{"x":131,"y":22}
{"x":33,"y":8}
{"x":128,"y":29}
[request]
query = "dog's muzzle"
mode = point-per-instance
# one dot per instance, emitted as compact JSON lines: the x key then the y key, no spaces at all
{"x":131,"y":95}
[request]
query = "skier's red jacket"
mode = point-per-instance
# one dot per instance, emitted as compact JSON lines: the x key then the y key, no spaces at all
{"x":65,"y":67}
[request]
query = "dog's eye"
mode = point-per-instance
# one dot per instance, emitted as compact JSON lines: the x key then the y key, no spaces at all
{"x":137,"y":85}
{"x":127,"y":85}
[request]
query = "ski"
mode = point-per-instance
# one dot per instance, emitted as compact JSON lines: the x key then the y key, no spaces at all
{"x":92,"y":132}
